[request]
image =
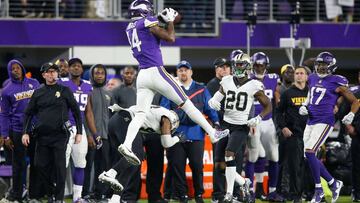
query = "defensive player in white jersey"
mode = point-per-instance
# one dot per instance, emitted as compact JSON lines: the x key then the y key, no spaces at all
{"x":159,"y":120}
{"x":239,"y":92}
{"x":264,"y":144}
{"x":144,"y":36}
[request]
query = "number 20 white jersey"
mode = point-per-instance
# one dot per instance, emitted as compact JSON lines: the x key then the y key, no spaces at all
{"x":239,"y":99}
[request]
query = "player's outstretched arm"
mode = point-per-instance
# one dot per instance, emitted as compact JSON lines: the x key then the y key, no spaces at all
{"x":167,"y":35}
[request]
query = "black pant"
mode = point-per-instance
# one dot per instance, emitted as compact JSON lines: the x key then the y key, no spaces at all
{"x":238,"y":143}
{"x":36,"y":188}
{"x":155,"y":164}
{"x":218,"y":176}
{"x":101,"y":160}
{"x":18,"y":165}
{"x":51,"y":158}
{"x":294,"y":147}
{"x":128,"y":175}
{"x":178,"y":153}
{"x":283,"y":178}
{"x":355,"y":153}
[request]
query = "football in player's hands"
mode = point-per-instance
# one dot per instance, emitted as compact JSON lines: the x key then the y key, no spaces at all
{"x":169,"y":14}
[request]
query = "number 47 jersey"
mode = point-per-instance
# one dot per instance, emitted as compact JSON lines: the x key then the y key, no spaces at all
{"x":239,"y":98}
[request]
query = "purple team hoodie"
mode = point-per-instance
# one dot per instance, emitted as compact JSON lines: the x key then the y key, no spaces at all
{"x":14,"y":100}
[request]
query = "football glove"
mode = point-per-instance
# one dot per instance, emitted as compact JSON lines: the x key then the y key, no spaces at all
{"x":303,"y":111}
{"x":182,"y":137}
{"x":168,"y":14}
{"x":254,"y":121}
{"x":348,"y":119}
{"x":115,"y":108}
{"x":214,"y":104}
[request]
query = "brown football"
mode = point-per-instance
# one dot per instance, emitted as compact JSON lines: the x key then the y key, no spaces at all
{"x":176,"y":20}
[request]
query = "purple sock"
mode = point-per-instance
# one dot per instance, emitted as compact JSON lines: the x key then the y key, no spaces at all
{"x":260,"y":165}
{"x":314,"y":166}
{"x":324,"y":172}
{"x":78,"y":176}
{"x":273,"y":173}
{"x":249,"y":171}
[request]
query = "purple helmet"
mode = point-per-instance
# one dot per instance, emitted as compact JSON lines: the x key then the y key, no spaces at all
{"x":260,"y":63}
{"x":329,"y":64}
{"x":140,"y":9}
{"x":235,"y":52}
{"x":260,"y":58}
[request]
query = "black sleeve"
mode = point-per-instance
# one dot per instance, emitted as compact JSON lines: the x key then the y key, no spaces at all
{"x":115,"y":95}
{"x":356,"y":124}
{"x":344,"y":109}
{"x":71,"y":102}
{"x":281,"y":110}
{"x":30,"y":111}
{"x":211,"y":86}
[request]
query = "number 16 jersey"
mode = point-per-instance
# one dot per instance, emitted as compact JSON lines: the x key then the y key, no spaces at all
{"x":239,"y":98}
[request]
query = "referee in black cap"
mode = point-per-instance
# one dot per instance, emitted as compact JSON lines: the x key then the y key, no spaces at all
{"x":222,"y":68}
{"x":50,"y":104}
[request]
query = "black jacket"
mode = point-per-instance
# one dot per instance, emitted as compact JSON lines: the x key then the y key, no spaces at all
{"x":287,"y":114}
{"x":50,"y":104}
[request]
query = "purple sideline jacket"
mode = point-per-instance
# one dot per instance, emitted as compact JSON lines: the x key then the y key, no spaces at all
{"x":14,"y":99}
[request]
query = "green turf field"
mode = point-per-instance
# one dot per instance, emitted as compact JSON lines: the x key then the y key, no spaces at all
{"x":342,"y":199}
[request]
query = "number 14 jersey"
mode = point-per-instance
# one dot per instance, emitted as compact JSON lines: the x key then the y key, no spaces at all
{"x":239,"y":98}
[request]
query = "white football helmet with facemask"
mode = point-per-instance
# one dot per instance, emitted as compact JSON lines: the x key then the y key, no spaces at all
{"x":241,"y":65}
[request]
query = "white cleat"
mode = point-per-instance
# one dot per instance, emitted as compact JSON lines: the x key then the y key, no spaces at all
{"x":219,"y":134}
{"x":115,"y":184}
{"x":129,"y":155}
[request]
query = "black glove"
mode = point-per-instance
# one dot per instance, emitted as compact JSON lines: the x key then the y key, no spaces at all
{"x":182,"y":137}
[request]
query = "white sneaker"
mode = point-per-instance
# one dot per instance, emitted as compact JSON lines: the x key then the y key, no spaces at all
{"x":219,"y":134}
{"x":129,"y":155}
{"x":115,"y":184}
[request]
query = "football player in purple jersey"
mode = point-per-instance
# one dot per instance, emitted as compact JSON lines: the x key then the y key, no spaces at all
{"x":78,"y":145}
{"x":264,"y":143}
{"x":324,"y":91}
{"x":144,"y":35}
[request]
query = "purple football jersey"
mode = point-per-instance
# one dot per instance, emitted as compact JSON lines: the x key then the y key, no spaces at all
{"x":323,"y":98}
{"x":81,"y":94}
{"x":144,"y":45}
{"x":270,"y":82}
